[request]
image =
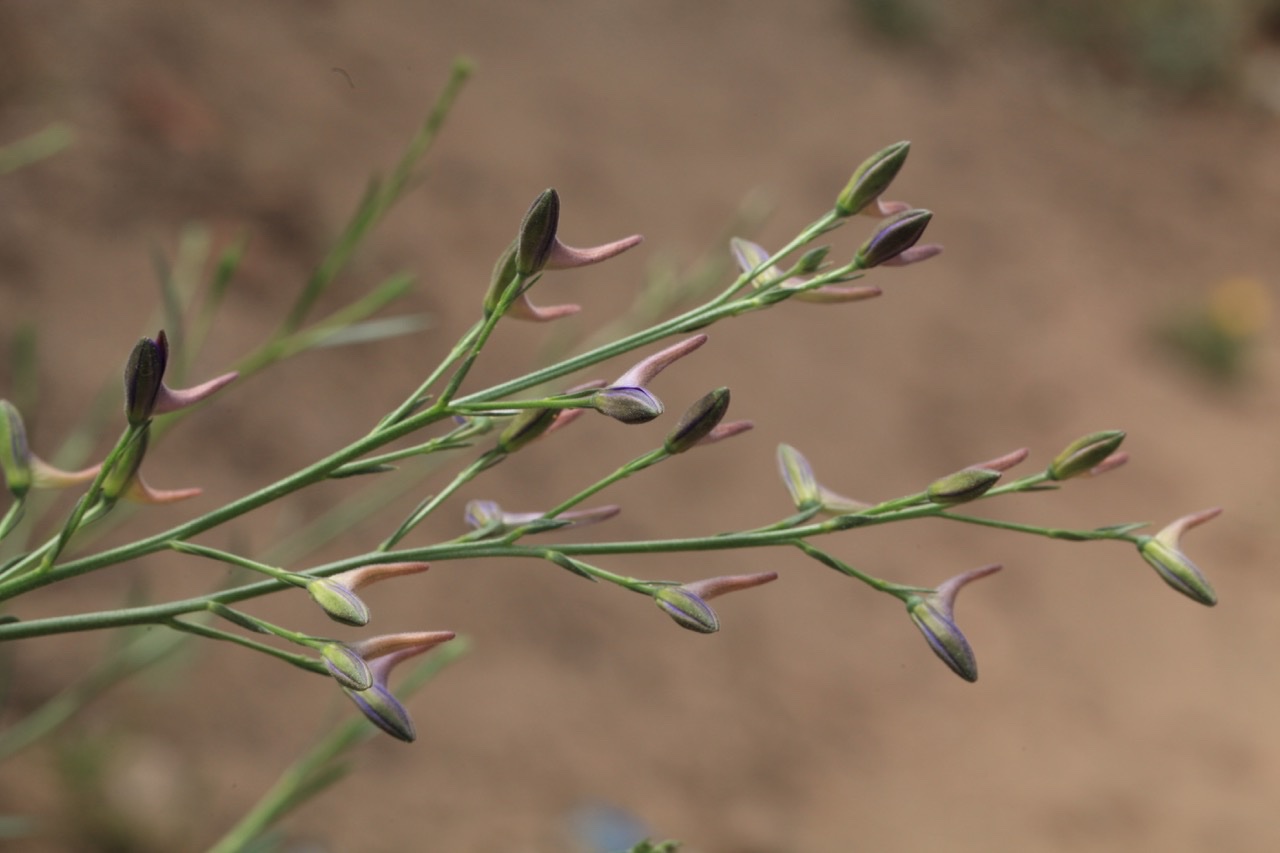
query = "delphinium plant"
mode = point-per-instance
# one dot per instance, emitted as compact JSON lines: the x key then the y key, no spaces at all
{"x":447,"y":418}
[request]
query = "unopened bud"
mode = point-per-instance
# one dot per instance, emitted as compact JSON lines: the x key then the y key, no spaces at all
{"x":1164,"y":554}
{"x":872,"y":178}
{"x":15,"y":455}
{"x":688,"y":610}
{"x":1083,"y":454}
{"x":893,"y":236}
{"x":962,"y":486}
{"x":143,"y":377}
{"x":503,"y":272}
{"x":946,"y":640}
{"x":126,"y":465}
{"x":524,"y":428}
{"x":339,"y":601}
{"x":698,"y":421}
{"x":630,"y":405}
{"x":811,"y":260}
{"x":798,"y":477}
{"x":384,"y":711}
{"x":347,"y":668}
{"x":538,"y":233}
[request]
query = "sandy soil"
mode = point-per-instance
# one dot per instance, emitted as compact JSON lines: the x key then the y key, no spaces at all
{"x":1111,"y":714}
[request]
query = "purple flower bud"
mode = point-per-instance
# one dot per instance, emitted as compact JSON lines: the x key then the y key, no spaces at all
{"x":1084,"y":454}
{"x":382,"y":655}
{"x":698,"y":421}
{"x":893,"y":236}
{"x":1164,"y":553}
{"x":872,"y":178}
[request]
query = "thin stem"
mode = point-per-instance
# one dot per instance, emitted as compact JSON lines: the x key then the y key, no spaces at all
{"x":653,"y":457}
{"x":300,"y":661}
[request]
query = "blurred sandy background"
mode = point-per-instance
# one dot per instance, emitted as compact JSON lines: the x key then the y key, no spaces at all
{"x":1079,"y":211}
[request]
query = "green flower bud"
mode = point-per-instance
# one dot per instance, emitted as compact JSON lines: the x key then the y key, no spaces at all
{"x":962,"y":486}
{"x":339,"y":601}
{"x":15,"y":455}
{"x":503,"y":272}
{"x":347,"y":667}
{"x":143,"y":377}
{"x":700,"y":419}
{"x":1163,"y":553}
{"x":630,"y":405}
{"x":811,"y":260}
{"x":798,"y":477}
{"x":1083,"y":454}
{"x":126,"y":465}
{"x":538,"y":233}
{"x":893,"y":236}
{"x":525,"y":427}
{"x":872,"y":178}
{"x":686,"y":609}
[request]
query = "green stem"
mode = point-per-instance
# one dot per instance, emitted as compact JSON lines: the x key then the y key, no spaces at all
{"x":653,"y":457}
{"x":301,"y":661}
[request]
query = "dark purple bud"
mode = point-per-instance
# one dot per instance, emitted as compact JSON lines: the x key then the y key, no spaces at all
{"x":538,"y":233}
{"x":143,"y":376}
{"x":893,"y":236}
{"x":698,"y":422}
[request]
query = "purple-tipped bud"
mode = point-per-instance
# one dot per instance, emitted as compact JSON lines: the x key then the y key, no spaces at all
{"x":144,"y":377}
{"x":872,"y":178}
{"x":525,"y":427}
{"x":962,"y":486}
{"x":893,"y":236}
{"x":15,"y":454}
{"x":698,"y":421}
{"x":934,"y":615}
{"x":686,"y":609}
{"x":347,"y":668}
{"x":1084,"y":454}
{"x":630,"y":405}
{"x":1164,"y":553}
{"x":798,"y":477}
{"x":339,"y":601}
{"x":538,"y":233}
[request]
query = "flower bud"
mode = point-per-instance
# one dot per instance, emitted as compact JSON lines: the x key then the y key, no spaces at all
{"x":798,"y":477}
{"x":811,"y":260}
{"x":384,"y":711}
{"x":688,"y":610}
{"x":1164,"y":554}
{"x":339,"y":601}
{"x":524,"y":428}
{"x":126,"y":466}
{"x":504,"y":270}
{"x":143,"y":378}
{"x":1083,"y":454}
{"x":347,"y":667}
{"x":698,"y":421}
{"x":946,"y":640}
{"x":15,"y":455}
{"x":630,"y":405}
{"x":962,"y":486}
{"x":893,"y":236}
{"x":538,"y":233}
{"x":872,"y":178}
